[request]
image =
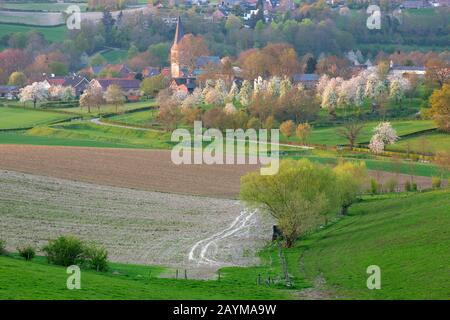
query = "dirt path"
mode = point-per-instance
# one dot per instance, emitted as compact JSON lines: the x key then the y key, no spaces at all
{"x":202,"y":252}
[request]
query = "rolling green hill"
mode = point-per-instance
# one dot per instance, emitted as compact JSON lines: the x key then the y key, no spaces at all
{"x":406,"y":235}
{"x":25,"y":118}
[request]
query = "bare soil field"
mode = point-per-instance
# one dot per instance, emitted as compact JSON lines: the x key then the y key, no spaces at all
{"x":135,"y":226}
{"x":150,"y":170}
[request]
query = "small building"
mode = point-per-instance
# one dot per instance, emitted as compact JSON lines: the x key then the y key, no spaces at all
{"x":131,"y":87}
{"x":308,"y":80}
{"x":185,"y":84}
{"x":203,"y":61}
{"x":9,"y":92}
{"x":415,"y":4}
{"x":405,"y":70}
{"x":150,"y":72}
{"x":76,"y":81}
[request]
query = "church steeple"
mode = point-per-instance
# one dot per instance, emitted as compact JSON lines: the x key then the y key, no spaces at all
{"x":174,"y":51}
{"x":179,"y":32}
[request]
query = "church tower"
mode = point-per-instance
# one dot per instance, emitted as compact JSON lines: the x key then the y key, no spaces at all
{"x":175,"y":69}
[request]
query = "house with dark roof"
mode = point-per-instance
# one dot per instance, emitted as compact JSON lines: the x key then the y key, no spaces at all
{"x":203,"y":61}
{"x":150,"y":72}
{"x":405,"y":70}
{"x":415,"y":4}
{"x":76,"y":81}
{"x":131,"y":87}
{"x":185,"y":84}
{"x":308,"y":80}
{"x":9,"y":92}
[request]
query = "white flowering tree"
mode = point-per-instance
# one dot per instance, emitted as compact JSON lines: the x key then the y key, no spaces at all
{"x":37,"y":91}
{"x":234,"y":92}
{"x":214,"y":97}
{"x":285,"y":86}
{"x":383,"y":135}
{"x":229,"y":108}
{"x":273,"y":86}
{"x":371,"y":85}
{"x":61,"y":93}
{"x":330,"y":95}
{"x":322,"y":84}
{"x":245,"y":95}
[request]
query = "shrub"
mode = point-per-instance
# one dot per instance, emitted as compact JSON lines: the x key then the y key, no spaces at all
{"x":414,"y":186}
{"x":374,"y":186}
{"x":436,"y":182}
{"x":64,"y":251}
{"x":391,"y":185}
{"x":27,"y":252}
{"x":96,"y":257}
{"x":2,"y":246}
{"x":408,"y":186}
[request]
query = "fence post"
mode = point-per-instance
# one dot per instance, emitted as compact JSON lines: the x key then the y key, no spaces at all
{"x":185,"y":274}
{"x":176,"y":274}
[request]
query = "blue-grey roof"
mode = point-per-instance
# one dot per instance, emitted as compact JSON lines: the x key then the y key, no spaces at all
{"x":6,"y":89}
{"x":305,"y":77}
{"x":97,"y":69}
{"x":409,"y":68}
{"x":204,"y":60}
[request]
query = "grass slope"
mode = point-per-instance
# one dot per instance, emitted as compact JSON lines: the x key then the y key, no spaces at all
{"x":405,"y":235}
{"x":24,"y":118}
{"x":121,"y":137}
{"x":53,"y":34}
{"x":328,"y":136}
{"x":424,"y":143}
{"x":38,"y":280}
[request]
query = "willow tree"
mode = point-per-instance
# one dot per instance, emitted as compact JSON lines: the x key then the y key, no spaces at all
{"x":300,"y":196}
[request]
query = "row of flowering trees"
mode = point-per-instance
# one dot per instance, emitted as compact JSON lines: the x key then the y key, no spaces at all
{"x":42,"y":91}
{"x":339,"y":93}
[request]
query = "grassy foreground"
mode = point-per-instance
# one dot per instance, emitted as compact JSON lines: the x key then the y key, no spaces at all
{"x":25,"y":118}
{"x":406,"y":235}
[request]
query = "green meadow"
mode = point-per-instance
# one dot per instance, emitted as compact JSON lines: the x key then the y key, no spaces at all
{"x":423,"y":143}
{"x":53,"y":34}
{"x":328,"y":135}
{"x":25,"y":118}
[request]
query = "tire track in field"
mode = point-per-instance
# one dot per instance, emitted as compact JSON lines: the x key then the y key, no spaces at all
{"x":199,"y":252}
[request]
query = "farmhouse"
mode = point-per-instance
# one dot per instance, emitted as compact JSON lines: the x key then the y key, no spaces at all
{"x":9,"y":92}
{"x":131,"y":87}
{"x":308,"y":80}
{"x":77,"y":82}
{"x":405,"y":70}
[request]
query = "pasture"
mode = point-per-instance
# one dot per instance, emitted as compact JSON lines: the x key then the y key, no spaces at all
{"x":423,"y":143}
{"x":108,"y":108}
{"x":53,"y":34}
{"x":146,"y":118}
{"x":24,"y":118}
{"x":328,"y":135}
{"x":41,"y":6}
{"x":402,"y":234}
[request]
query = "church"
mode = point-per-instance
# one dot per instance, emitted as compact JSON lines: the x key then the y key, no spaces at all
{"x":180,"y":78}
